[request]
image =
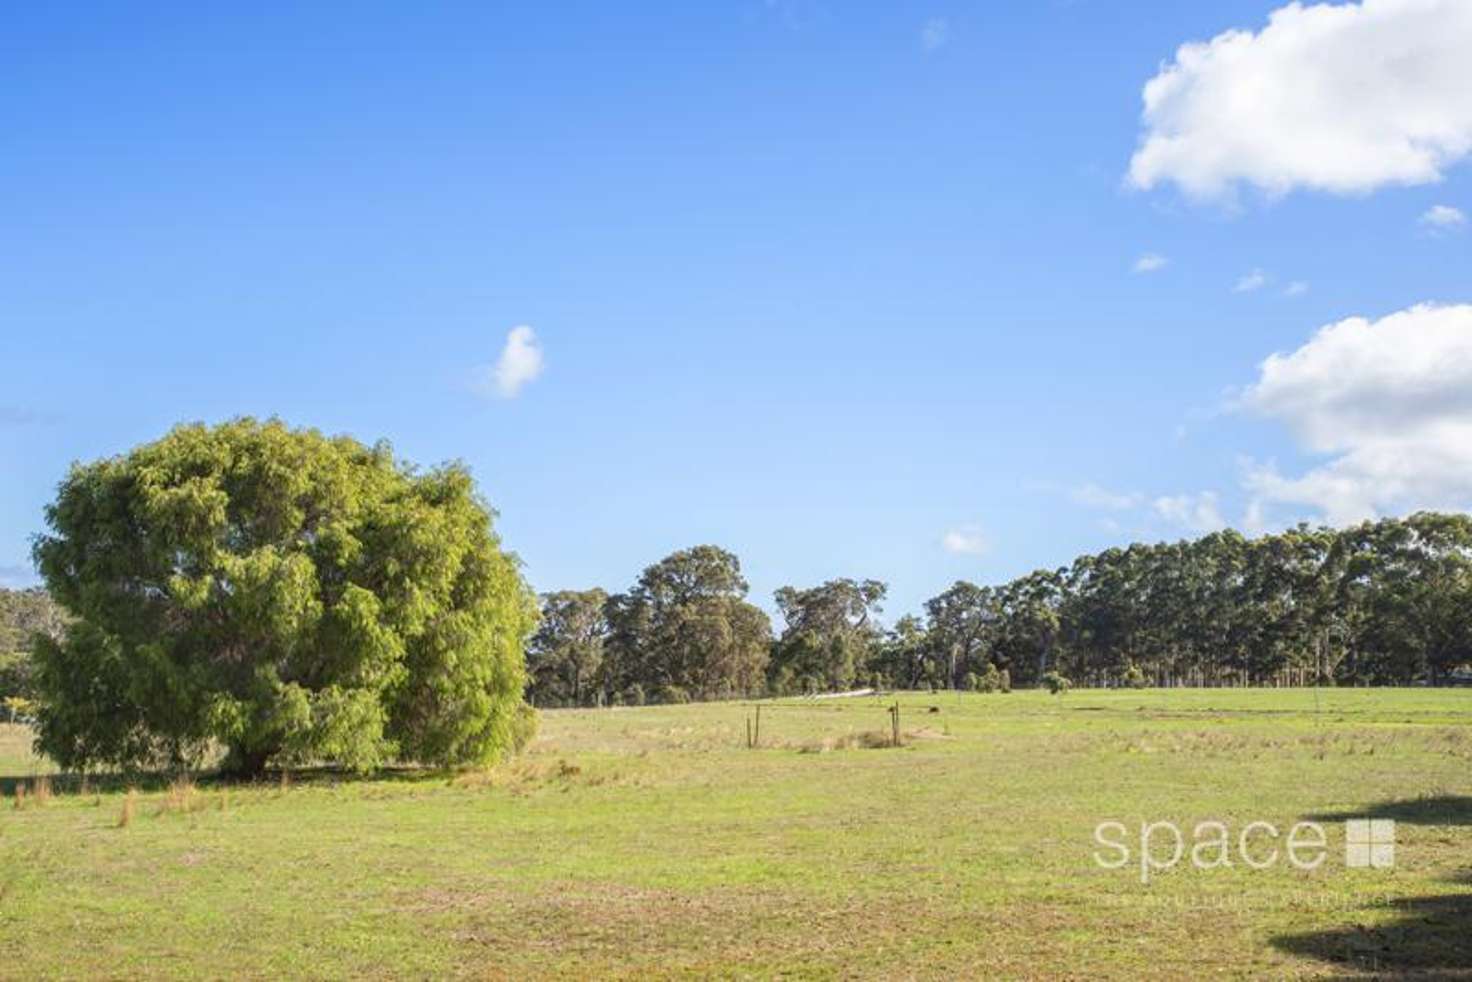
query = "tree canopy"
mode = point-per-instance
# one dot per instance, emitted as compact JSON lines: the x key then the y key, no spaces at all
{"x":685,"y":630}
{"x":1380,"y":603}
{"x":831,"y":634}
{"x":287,"y":595}
{"x":565,"y":657}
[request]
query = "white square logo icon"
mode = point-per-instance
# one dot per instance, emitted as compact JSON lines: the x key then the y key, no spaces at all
{"x":1369,"y":843}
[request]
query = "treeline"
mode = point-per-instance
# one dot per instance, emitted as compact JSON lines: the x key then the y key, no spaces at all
{"x":1382,"y":603}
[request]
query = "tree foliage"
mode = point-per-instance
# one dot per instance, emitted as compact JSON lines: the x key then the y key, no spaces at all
{"x":284,"y":594}
{"x":685,"y":629}
{"x":565,"y":657}
{"x":831,"y":635}
{"x":1381,"y":603}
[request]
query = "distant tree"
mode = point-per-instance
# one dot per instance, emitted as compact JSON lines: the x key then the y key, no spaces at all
{"x":565,"y":656}
{"x":831,"y":634}
{"x":902,"y":656}
{"x":961,"y":627}
{"x":286,"y":595}
{"x":1055,"y":683}
{"x":1028,"y":623}
{"x":24,"y":615}
{"x":686,"y":625}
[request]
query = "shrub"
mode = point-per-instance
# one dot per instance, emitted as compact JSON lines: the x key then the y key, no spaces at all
{"x":990,"y":680}
{"x":1134,"y":678}
{"x":1056,"y":684}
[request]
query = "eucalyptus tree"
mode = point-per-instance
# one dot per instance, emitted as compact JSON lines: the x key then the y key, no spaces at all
{"x":1420,"y":595}
{"x":565,"y":655}
{"x":1029,"y":624}
{"x":903,"y":657}
{"x":961,"y":626}
{"x":685,"y":630}
{"x":831,"y":634}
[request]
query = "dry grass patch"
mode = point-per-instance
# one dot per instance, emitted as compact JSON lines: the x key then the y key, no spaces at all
{"x":524,"y":775}
{"x":645,"y":931}
{"x":182,"y":798}
{"x":130,"y":807}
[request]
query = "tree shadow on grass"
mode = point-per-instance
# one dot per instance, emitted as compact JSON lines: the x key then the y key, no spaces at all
{"x":1432,"y":938}
{"x":160,"y":780}
{"x":1444,"y":809}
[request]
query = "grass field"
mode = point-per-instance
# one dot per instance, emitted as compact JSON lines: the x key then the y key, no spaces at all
{"x":652,"y":842}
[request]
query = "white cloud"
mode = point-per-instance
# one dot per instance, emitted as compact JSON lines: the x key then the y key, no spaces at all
{"x":1296,"y":289}
{"x":1251,"y":282}
{"x":1443,"y":217}
{"x":967,"y":540}
{"x":1344,"y":98}
{"x":1150,"y":262}
{"x":1093,"y":496}
{"x":1389,"y":402}
{"x":935,"y":33}
{"x":520,"y":362}
{"x":1198,"y":513}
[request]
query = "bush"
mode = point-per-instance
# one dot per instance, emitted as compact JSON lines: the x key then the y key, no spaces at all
{"x":673,"y":695}
{"x":1134,"y":678}
{"x":1056,"y":684}
{"x":990,"y":680}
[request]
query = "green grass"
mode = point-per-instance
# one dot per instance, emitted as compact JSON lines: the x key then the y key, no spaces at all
{"x":650,"y":841}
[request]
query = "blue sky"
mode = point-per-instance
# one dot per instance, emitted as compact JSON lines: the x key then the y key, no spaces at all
{"x":850,"y":289}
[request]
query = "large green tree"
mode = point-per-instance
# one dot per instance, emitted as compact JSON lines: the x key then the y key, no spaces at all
{"x":685,"y":630}
{"x":830,"y":637}
{"x":961,"y":628}
{"x":284,"y":594}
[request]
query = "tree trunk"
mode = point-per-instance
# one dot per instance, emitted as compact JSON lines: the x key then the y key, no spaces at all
{"x":245,"y":764}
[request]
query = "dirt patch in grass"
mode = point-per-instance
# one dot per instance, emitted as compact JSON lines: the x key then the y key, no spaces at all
{"x":603,"y":928}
